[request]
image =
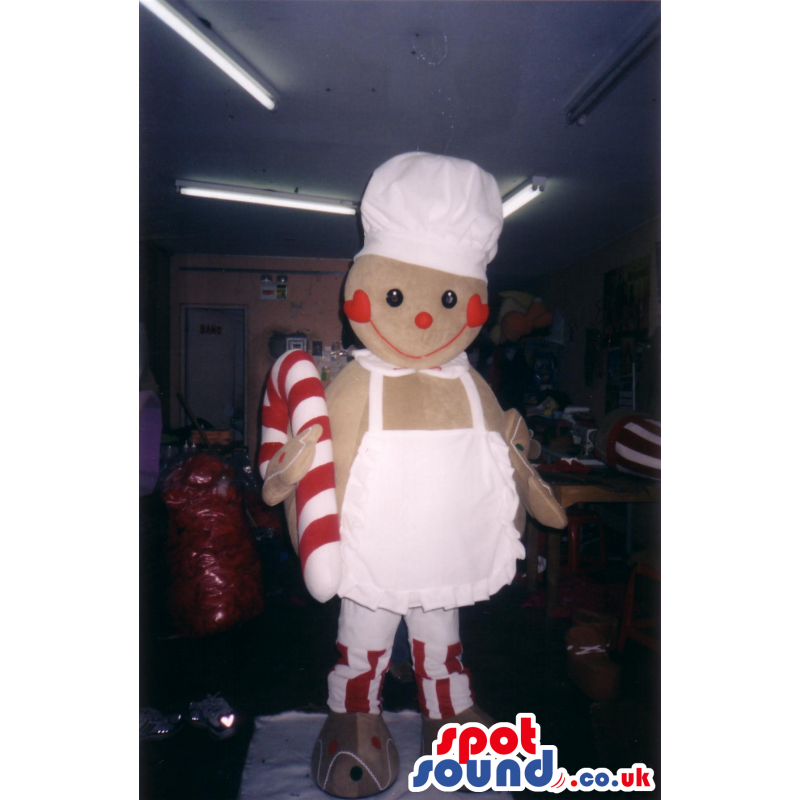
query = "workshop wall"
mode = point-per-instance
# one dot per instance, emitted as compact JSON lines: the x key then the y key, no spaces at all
{"x":314,"y":288}
{"x":154,"y":311}
{"x":576,"y":291}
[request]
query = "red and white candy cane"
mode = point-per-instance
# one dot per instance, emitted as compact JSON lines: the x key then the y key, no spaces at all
{"x":293,"y":402}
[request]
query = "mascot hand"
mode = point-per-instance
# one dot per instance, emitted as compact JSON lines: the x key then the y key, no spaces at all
{"x":290,"y":465}
{"x":536,"y":495}
{"x":540,"y":503}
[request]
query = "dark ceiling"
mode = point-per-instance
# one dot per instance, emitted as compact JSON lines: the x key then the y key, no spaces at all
{"x":359,"y":82}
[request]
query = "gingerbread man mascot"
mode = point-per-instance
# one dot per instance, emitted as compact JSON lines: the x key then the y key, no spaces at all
{"x":406,"y":484}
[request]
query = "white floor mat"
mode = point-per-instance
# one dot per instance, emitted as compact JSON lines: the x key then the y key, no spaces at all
{"x":278,"y":762}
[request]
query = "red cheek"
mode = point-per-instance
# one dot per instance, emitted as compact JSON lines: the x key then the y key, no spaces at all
{"x":477,"y":312}
{"x":358,"y":309}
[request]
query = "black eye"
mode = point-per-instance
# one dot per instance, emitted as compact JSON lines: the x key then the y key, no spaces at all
{"x":394,"y":297}
{"x":449,"y":299}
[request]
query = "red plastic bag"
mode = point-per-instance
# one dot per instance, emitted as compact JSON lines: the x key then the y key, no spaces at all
{"x":215,"y":572}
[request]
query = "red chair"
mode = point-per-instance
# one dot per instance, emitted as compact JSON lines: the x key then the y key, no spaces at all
{"x":647,"y":565}
{"x":577,"y":519}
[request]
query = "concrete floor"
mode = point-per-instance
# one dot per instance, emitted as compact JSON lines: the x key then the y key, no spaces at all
{"x":279,"y":661}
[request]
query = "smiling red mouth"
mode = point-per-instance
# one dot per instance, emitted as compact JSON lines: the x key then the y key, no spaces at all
{"x":407,"y":355}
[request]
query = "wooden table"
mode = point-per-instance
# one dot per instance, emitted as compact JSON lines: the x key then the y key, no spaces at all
{"x":599,"y":486}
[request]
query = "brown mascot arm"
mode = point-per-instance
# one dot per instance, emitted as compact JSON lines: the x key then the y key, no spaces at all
{"x":347,"y":398}
{"x":536,"y":495}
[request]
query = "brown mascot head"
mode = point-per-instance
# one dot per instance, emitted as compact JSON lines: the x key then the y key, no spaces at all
{"x":417,"y":294}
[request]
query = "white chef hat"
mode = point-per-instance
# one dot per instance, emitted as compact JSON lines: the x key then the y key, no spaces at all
{"x":435,"y":211}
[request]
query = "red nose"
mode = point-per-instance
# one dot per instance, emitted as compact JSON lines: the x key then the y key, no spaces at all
{"x":423,"y":319}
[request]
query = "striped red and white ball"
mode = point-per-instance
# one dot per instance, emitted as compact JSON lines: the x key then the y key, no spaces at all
{"x":630,"y":442}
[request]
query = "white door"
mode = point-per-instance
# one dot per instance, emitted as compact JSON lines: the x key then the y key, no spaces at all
{"x":214,"y":384}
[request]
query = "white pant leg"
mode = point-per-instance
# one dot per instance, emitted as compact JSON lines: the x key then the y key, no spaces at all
{"x":443,"y":683}
{"x":365,"y":641}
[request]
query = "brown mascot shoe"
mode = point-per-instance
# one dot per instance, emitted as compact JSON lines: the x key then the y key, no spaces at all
{"x":588,"y":664}
{"x":354,"y":756}
{"x":606,"y":625}
{"x":430,"y":727}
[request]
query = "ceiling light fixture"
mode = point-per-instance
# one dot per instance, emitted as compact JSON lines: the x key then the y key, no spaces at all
{"x":522,"y":195}
{"x":645,"y":33}
{"x":183,"y":23}
{"x":264,"y":197}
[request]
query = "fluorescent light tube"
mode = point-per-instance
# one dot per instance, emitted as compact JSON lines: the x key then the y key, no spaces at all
{"x":184,"y":26}
{"x":524,"y":194}
{"x":264,"y":197}
{"x":610,"y":72}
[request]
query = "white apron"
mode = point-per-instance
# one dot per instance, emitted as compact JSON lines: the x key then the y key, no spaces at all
{"x":428,"y":516}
